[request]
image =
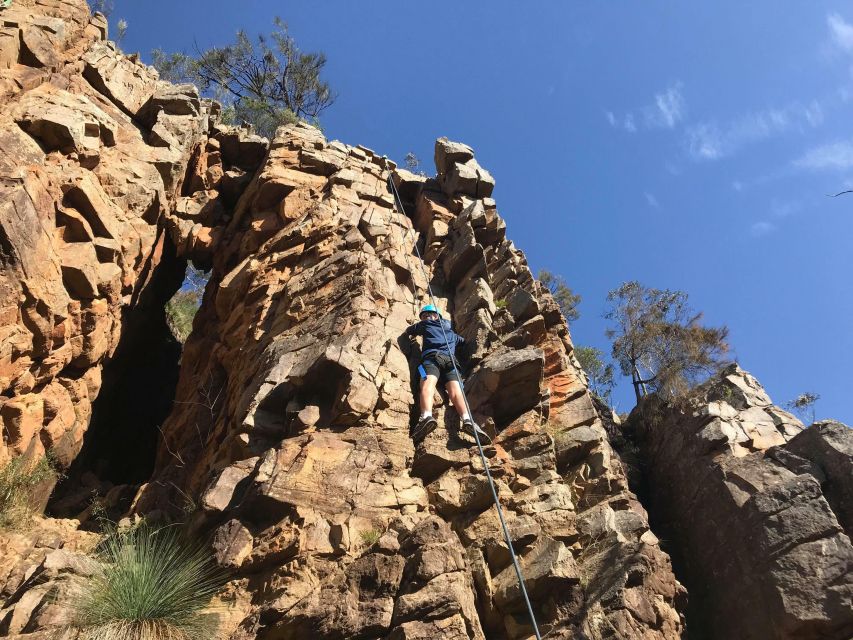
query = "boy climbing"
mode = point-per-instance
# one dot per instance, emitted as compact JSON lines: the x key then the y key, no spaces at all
{"x":437,"y":364}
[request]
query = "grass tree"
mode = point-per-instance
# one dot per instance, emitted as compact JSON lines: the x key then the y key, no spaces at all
{"x":150,"y":584}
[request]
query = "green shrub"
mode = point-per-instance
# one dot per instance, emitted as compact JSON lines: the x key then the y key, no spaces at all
{"x":180,"y":312}
{"x":370,"y":537}
{"x":18,"y":481}
{"x":150,"y":585}
{"x":500,"y":304}
{"x":181,"y":309}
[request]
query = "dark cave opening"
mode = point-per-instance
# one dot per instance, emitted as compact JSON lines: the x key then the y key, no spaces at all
{"x":137,"y":393}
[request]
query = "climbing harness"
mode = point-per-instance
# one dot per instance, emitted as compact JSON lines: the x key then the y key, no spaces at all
{"x":507,"y":538}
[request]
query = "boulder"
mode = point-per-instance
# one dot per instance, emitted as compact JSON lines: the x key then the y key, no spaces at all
{"x":468,"y":179}
{"x":37,"y":50}
{"x":66,"y":122}
{"x":127,"y":82}
{"x":726,"y":454}
{"x":232,"y":544}
{"x":80,"y":270}
{"x":447,"y":153}
{"x":10,"y":46}
{"x":549,"y":571}
{"x":507,"y":384}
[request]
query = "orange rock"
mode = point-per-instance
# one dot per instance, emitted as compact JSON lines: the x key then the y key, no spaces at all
{"x":21,"y":420}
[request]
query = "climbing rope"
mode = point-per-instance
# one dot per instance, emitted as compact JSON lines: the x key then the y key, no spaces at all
{"x":507,"y":538}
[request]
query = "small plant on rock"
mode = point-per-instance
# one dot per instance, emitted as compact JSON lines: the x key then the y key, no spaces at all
{"x":150,"y":585}
{"x":804,"y":406}
{"x":370,"y":537}
{"x":500,"y":304}
{"x":18,"y":481}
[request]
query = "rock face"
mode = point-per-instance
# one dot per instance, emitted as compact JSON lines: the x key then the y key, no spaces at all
{"x":295,"y":404}
{"x":94,"y":151}
{"x":289,"y":441}
{"x":291,"y":426}
{"x":758,"y":510}
{"x":37,"y":567}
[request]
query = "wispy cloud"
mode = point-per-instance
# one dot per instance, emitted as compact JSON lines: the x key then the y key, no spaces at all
{"x":711,"y":141}
{"x":666,"y":110}
{"x":785,"y":208}
{"x":840,"y":32}
{"x":625,"y":122}
{"x":653,"y":202}
{"x":840,"y":45}
{"x":836,"y":156}
{"x":762,"y":228}
{"x":705,"y":141}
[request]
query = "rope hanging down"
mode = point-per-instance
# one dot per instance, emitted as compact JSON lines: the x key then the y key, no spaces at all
{"x":507,"y":538}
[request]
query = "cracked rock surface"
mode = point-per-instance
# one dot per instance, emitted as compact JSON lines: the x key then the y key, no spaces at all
{"x":294,"y":412}
{"x":758,"y":508}
{"x":289,"y":443}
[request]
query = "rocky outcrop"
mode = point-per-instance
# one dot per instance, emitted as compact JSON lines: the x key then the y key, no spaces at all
{"x":94,"y":156}
{"x":757,"y":508}
{"x":38,"y":567}
{"x":295,"y":403}
{"x":289,"y":440}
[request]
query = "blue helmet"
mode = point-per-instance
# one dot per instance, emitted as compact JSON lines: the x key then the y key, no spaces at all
{"x":429,"y":308}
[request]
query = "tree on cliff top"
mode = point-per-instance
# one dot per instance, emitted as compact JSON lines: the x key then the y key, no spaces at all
{"x":563,"y":295}
{"x":804,"y":406}
{"x":658,"y":339}
{"x":599,"y":372}
{"x":267,"y":84}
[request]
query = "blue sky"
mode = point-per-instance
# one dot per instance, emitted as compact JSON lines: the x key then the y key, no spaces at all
{"x":685,"y":145}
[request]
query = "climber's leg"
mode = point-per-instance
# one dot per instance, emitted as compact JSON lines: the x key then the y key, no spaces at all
{"x":426,"y":423}
{"x":454,"y":390}
{"x":428,"y":383}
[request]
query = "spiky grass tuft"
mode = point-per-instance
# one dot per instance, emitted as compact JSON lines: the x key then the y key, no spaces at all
{"x":150,"y":585}
{"x":370,"y":537}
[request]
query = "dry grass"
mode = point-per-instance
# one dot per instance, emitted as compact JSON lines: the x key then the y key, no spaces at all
{"x":18,"y":481}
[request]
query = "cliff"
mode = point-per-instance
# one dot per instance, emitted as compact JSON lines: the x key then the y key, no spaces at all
{"x":282,"y":431}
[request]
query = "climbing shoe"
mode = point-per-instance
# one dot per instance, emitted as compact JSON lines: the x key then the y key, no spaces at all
{"x":425,"y":426}
{"x":469,"y":427}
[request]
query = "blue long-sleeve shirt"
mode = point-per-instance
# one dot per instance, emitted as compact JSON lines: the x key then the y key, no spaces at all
{"x":434,"y":337}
